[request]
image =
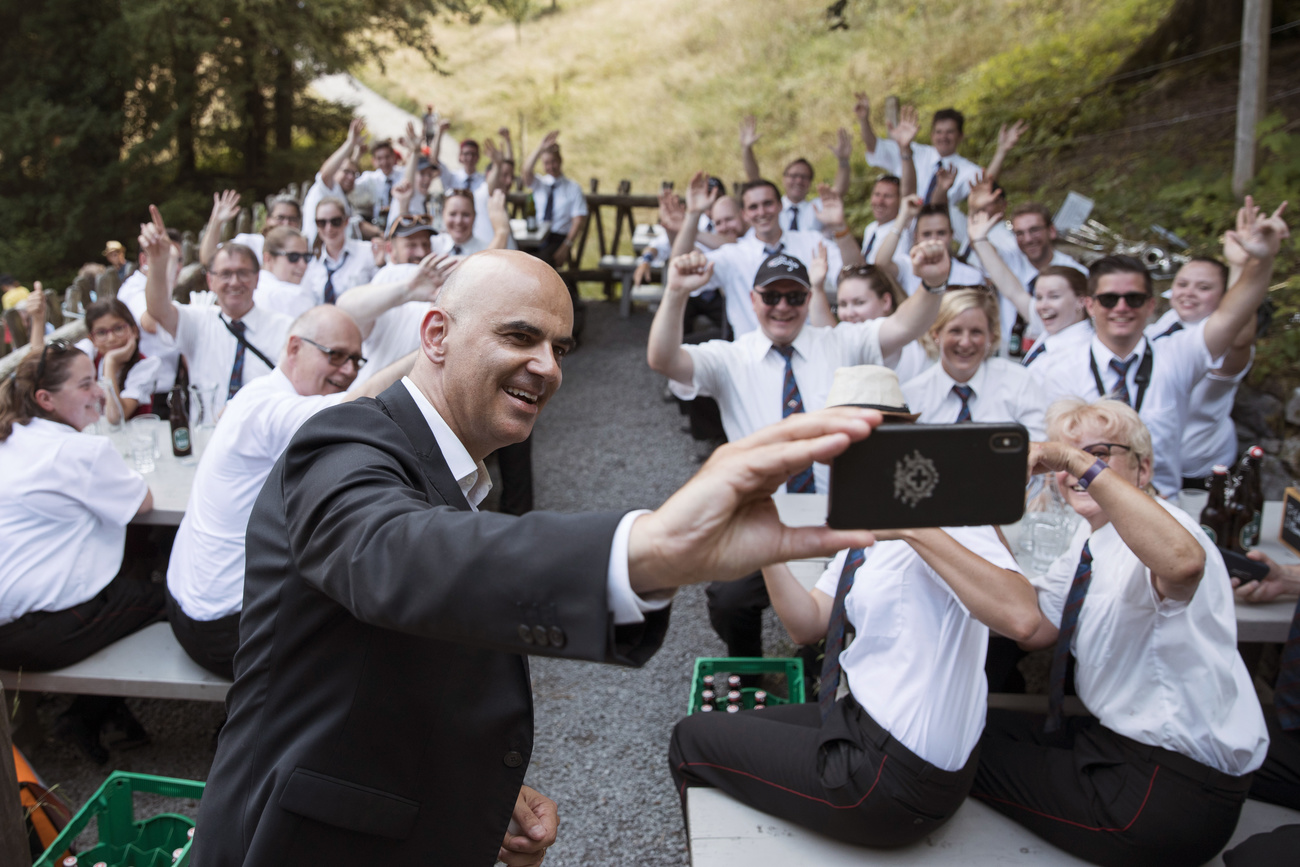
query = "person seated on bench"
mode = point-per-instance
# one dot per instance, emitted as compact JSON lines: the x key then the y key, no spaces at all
{"x":114,"y":349}
{"x":1142,"y":601}
{"x":64,"y":589}
{"x":893,"y":759}
{"x":285,"y":259}
{"x":205,"y":576}
{"x":458,"y":216}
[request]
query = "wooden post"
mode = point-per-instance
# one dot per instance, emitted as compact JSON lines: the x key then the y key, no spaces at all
{"x":1251,"y":89}
{"x":13,"y":834}
{"x":891,"y":111}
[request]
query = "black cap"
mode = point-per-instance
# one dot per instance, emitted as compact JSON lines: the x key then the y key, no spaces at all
{"x":781,"y":266}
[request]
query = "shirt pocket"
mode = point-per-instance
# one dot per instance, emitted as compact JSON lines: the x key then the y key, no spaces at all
{"x":875,"y":605}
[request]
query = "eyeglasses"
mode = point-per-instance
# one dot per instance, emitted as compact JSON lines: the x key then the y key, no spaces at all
{"x":294,"y":258}
{"x":1104,"y":451}
{"x":1133,"y":300}
{"x":798,"y":176}
{"x":243,"y":275}
{"x":329,"y":221}
{"x":337,"y":357}
{"x":795,"y":299}
{"x":116,"y":331}
{"x":406,"y":221}
{"x":59,"y":346}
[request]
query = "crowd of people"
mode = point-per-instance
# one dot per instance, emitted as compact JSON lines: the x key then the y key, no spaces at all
{"x":311,"y":526}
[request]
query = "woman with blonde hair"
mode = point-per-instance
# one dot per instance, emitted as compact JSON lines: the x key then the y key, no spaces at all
{"x":968,"y":384}
{"x":338,"y":262}
{"x":285,"y":259}
{"x":1158,"y":772}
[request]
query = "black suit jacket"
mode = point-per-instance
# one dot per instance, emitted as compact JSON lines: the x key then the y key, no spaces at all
{"x":381,"y":710}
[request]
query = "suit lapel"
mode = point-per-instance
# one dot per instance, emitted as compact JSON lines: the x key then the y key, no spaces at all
{"x":401,"y":408}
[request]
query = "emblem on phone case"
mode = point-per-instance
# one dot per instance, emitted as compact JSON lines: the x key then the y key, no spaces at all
{"x":915,"y":478}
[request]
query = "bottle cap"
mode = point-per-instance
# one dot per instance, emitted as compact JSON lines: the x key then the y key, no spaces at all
{"x":1255,"y":452}
{"x":1220,"y":470}
{"x":733,"y":708}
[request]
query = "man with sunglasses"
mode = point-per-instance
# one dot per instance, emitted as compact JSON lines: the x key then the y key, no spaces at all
{"x":205,"y":575}
{"x":1157,"y":379}
{"x":783,"y":367}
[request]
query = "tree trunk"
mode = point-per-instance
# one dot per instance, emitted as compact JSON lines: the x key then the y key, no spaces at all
{"x":184,"y":71}
{"x":254,"y":113}
{"x":283,"y":100}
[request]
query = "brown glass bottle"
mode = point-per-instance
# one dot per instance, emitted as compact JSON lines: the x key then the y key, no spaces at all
{"x":1250,"y":492}
{"x":180,"y":421}
{"x":1214,"y":517}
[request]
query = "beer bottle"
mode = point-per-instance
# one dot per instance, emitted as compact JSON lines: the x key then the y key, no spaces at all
{"x":180,"y":421}
{"x":1251,"y":493}
{"x":1237,"y":520}
{"x":1214,"y":517}
{"x":1016,"y":343}
{"x":530,"y":214}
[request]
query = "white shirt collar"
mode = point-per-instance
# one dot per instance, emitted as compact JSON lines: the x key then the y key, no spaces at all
{"x":1104,"y":355}
{"x":976,"y":382}
{"x":470,"y":475}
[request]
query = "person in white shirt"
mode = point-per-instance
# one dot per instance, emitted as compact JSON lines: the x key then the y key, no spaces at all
{"x":1210,"y":436}
{"x":458,"y":217}
{"x":153,"y":342}
{"x":225,"y":344}
{"x":338,"y":262}
{"x":886,"y":200}
{"x":285,"y":258}
{"x":113,"y":347}
{"x":500,"y":176}
{"x":65,"y":591}
{"x":866,"y":292}
{"x":284,"y":211}
{"x":968,"y":384}
{"x":893,"y":759}
{"x":797,"y":210}
{"x":205,"y":575}
{"x":559,"y":201}
{"x":783,"y":368}
{"x":467,"y":176}
{"x":377,"y":183}
{"x":413,"y":194}
{"x":1060,"y":306}
{"x":1158,"y":771}
{"x":1158,"y":380}
{"x":338,"y":178}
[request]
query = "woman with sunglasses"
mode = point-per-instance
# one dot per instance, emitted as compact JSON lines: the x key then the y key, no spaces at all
{"x":338,"y":262}
{"x":114,"y":349}
{"x":284,"y":263}
{"x":1159,"y":769}
{"x":65,"y":591}
{"x":865,"y":292}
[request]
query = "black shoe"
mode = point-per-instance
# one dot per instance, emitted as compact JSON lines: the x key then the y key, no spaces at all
{"x":77,"y":731}
{"x":122,"y":730}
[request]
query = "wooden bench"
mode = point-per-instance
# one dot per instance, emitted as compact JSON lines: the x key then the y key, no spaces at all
{"x":146,"y":664}
{"x":724,"y":831}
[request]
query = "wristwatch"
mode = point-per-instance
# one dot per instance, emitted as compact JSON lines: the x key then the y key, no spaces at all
{"x":1092,"y":472}
{"x":935,"y":290}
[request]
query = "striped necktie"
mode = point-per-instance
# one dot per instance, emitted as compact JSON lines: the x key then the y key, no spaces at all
{"x":237,"y":369}
{"x":791,"y":403}
{"x":964,"y":393}
{"x":830,"y":679}
{"x":1286,"y":695}
{"x":1035,"y":353}
{"x":1120,"y":391}
{"x":1069,"y":620}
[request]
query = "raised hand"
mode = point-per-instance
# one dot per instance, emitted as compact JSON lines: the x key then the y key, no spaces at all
{"x":434,"y":270}
{"x":548,"y":140}
{"x":909,"y":124}
{"x":819,"y":266}
{"x":490,"y":148}
{"x":672,"y":211}
{"x":402,"y":192}
{"x":908,"y":209}
{"x":1258,"y":236}
{"x":861,"y":106}
{"x":1009,"y":135}
{"x":356,"y":130}
{"x":412,"y":139}
{"x":689,"y":272}
{"x":983,"y":197}
{"x":497,"y":213}
{"x":843,"y":147}
{"x":225,"y":206}
{"x":931,"y":262}
{"x":979,"y":223}
{"x":504,"y":132}
{"x":153,"y":238}
{"x":699,"y":195}
{"x":831,"y":210}
{"x":945,"y":177}
{"x":748,"y":131}
{"x":34,"y":304}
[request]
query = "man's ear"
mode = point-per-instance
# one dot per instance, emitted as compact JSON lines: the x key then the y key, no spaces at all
{"x":433,"y":334}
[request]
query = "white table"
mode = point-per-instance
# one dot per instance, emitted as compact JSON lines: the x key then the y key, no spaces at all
{"x":170,"y":481}
{"x":529,"y":240}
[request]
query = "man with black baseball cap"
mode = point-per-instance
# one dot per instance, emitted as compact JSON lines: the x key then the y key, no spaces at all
{"x":784,"y":367}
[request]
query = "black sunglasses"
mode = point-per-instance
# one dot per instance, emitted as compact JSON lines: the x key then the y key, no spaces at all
{"x":795,"y":299}
{"x":1134,"y":300}
{"x":294,"y":258}
{"x":337,"y":357}
{"x":330,"y":221}
{"x":406,"y":220}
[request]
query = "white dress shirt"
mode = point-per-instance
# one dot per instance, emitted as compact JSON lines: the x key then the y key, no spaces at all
{"x":809,"y":214}
{"x":910,"y":362}
{"x":875,"y":235}
{"x":354,"y":267}
{"x":68,"y":497}
{"x":1162,"y":672}
{"x":473,"y":480}
{"x":1050,"y":349}
{"x":457,"y":179}
{"x":916,"y":664}
{"x":443,"y":243}
{"x":1002,"y":391}
{"x":747,"y":376}
{"x":319,"y":190}
{"x":926,"y":161}
{"x":395,"y":335}
{"x":276,"y":296}
{"x":209,"y":347}
{"x":378,"y":186}
{"x":206,"y":571}
{"x":141,"y":380}
{"x":570,"y":201}
{"x":736,"y":265}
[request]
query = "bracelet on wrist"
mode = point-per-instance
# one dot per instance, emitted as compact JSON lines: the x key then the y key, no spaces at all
{"x":935,"y":290}
{"x":1093,"y":471}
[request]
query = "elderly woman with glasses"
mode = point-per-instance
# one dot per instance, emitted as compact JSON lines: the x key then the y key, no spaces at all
{"x":64,"y":589}
{"x":1157,"y":772}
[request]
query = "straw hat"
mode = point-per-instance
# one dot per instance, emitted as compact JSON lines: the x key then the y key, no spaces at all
{"x":871,"y":386}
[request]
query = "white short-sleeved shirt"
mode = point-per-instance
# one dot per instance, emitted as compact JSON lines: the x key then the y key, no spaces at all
{"x":457,"y":179}
{"x":206,"y":571}
{"x":910,"y":362}
{"x":747,"y":376}
{"x":68,"y":497}
{"x":917,"y":662}
{"x":443,"y":243}
{"x":872,"y":238}
{"x":926,"y":161}
{"x":379,"y":186}
{"x":809,"y":214}
{"x":157,"y":345}
{"x":736,"y":265}
{"x":354,"y":267}
{"x":1002,"y":391}
{"x":1050,"y":348}
{"x":1162,"y":672}
{"x":141,"y":380}
{"x":570,"y":201}
{"x":396,"y":334}
{"x":319,"y":190}
{"x":276,"y":296}
{"x":483,"y":229}
{"x":210,"y":348}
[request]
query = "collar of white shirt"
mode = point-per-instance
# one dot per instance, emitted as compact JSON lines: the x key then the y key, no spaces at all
{"x":470,"y":475}
{"x":1104,"y":355}
{"x":802,"y":345}
{"x":976,"y":382}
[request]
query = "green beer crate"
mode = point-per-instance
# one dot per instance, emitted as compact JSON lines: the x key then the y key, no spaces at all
{"x":124,"y":841}
{"x":721,"y":667}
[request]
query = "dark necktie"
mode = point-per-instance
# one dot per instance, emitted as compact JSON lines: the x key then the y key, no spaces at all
{"x":963,"y":392}
{"x":773,"y":250}
{"x":1034,"y":353}
{"x":1286,"y":696}
{"x":1121,"y":388}
{"x":1069,"y":620}
{"x":549,"y":213}
{"x":456,"y":250}
{"x":830,"y":679}
{"x":329,"y":277}
{"x":388,"y":191}
{"x":1033,"y":281}
{"x":791,"y":403}
{"x":871,"y":242}
{"x":934,"y":181}
{"x":237,"y":369}
{"x":1172,"y":329}
{"x":794,"y":218}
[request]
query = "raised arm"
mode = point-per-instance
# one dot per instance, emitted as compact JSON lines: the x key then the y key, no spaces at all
{"x":944,"y":178}
{"x":862,"y":108}
{"x":805,"y":614}
{"x":819,"y":306}
{"x":904,"y":133}
{"x":367,"y":303}
{"x":831,"y":214}
{"x":1260,"y":238}
{"x":665,"y":353}
{"x":225,"y":207}
{"x":931,"y":262}
{"x":907,"y":211}
{"x":1007,"y":283}
{"x":335,"y":161}
{"x":699,"y":198}
{"x":1007,"y":138}
{"x":158,"y":251}
{"x":843,"y":151}
{"x":507,"y":146}
{"x":547,"y":140}
{"x":500,"y":220}
{"x":748,"y":137}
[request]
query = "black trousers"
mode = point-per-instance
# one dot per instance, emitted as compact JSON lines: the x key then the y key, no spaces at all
{"x":847,"y":779}
{"x":736,"y":612}
{"x":547,"y":249}
{"x":1278,"y":780}
{"x":210,"y":643}
{"x":49,"y":640}
{"x":1104,"y":797}
{"x":516,"y":464}
{"x":1277,"y":848}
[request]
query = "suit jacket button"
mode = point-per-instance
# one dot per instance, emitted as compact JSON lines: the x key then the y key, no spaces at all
{"x":539,"y":635}
{"x":525,"y":634}
{"x":513,"y":759}
{"x":556,"y":634}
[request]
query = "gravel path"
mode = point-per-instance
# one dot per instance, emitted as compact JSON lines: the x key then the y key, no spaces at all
{"x":606,"y":441}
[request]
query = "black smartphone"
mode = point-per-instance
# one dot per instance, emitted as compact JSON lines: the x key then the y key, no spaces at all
{"x":931,"y":475}
{"x":1241,"y":567}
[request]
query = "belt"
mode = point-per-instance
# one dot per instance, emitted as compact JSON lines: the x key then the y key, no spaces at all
{"x":1184,"y":766}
